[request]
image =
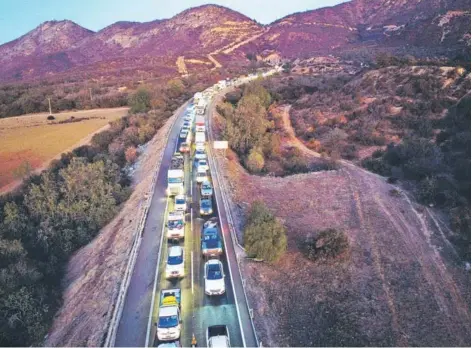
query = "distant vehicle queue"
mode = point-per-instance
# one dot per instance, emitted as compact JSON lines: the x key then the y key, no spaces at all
{"x":169,"y":323}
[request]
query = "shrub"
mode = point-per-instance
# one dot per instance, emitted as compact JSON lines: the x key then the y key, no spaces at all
{"x":328,"y":244}
{"x":51,"y":118}
{"x":131,"y":154}
{"x":264,"y":236}
{"x":255,"y":161}
{"x":140,"y":101}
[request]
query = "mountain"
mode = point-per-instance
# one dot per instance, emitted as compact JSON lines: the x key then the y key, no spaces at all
{"x":211,"y":36}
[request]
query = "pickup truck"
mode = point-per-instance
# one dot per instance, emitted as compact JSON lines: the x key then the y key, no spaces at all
{"x":218,"y":336}
{"x":211,"y":242}
{"x":169,"y":320}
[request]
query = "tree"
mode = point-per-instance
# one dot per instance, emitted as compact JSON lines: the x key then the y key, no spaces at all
{"x":264,"y":236}
{"x":103,"y":139}
{"x":255,"y":161}
{"x":131,"y":154}
{"x":328,"y":243}
{"x":23,"y":171}
{"x":140,"y":101}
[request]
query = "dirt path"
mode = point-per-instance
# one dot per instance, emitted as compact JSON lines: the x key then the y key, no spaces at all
{"x":181,"y":67}
{"x":215,"y":62}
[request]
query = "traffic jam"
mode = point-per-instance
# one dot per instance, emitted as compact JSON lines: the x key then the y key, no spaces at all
{"x":191,"y":148}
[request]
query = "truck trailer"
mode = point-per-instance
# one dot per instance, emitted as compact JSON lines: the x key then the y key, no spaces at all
{"x":175,"y":175}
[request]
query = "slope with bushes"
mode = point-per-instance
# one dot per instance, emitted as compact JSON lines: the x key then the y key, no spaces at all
{"x":56,"y":213}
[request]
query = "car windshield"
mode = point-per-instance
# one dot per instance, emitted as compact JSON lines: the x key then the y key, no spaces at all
{"x":201,"y":174}
{"x":176,"y":224}
{"x":206,"y":203}
{"x":180,"y":201}
{"x":175,"y":260}
{"x":206,"y":187}
{"x":202,"y":163}
{"x":214,"y":272}
{"x":167,"y":322}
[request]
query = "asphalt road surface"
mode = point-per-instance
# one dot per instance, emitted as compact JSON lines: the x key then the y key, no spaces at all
{"x":198,"y":310}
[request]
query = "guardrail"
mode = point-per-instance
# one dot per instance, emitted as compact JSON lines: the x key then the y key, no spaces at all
{"x":222,"y":184}
{"x":119,"y":304}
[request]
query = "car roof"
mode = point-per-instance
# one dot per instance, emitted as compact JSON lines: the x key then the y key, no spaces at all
{"x":167,"y":311}
{"x":180,"y":197}
{"x":175,"y":251}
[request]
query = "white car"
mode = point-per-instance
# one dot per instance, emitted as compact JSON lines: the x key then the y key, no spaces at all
{"x":180,"y":203}
{"x":202,"y":176}
{"x":175,"y":262}
{"x":183,"y":134}
{"x":214,"y":278}
{"x":200,"y":154}
{"x":206,"y":189}
{"x":203,"y":164}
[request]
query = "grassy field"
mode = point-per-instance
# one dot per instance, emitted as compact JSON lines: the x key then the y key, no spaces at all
{"x":34,"y":139}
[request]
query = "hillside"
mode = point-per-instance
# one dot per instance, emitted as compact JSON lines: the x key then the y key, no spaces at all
{"x":210,"y":36}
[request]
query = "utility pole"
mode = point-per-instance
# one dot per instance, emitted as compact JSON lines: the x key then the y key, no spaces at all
{"x":90,"y":92}
{"x":50,"y":110}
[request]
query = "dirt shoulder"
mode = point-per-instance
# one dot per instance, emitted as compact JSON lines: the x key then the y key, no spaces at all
{"x":401,"y":283}
{"x":94,"y":273}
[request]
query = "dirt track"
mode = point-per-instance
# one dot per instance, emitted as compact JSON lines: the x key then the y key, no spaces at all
{"x":401,"y":283}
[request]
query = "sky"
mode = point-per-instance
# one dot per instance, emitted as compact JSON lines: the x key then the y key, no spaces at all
{"x":17,"y":17}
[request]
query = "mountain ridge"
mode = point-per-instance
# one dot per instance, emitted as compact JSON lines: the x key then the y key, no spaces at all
{"x":200,"y":33}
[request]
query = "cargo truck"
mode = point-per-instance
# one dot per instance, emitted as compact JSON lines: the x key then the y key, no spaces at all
{"x":175,"y":175}
{"x":200,"y":140}
{"x":169,"y":320}
{"x":200,"y":124}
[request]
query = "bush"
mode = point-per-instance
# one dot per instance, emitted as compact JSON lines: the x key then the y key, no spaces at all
{"x":264,"y":236}
{"x":255,"y":161}
{"x":131,"y":154}
{"x":51,"y":118}
{"x":328,"y":244}
{"x":140,"y":101}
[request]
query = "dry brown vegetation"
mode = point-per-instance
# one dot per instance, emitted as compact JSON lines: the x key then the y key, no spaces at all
{"x":34,"y":139}
{"x":373,"y":108}
{"x":400,"y":283}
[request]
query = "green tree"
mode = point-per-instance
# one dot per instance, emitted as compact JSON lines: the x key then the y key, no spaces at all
{"x":264,"y":236}
{"x":140,"y":101}
{"x":255,"y":161}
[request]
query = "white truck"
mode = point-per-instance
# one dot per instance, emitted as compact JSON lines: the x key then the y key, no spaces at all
{"x":200,"y":107}
{"x":176,"y":225}
{"x":200,"y":124}
{"x":169,"y":320}
{"x":218,"y":336}
{"x":175,"y":175}
{"x":200,"y":140}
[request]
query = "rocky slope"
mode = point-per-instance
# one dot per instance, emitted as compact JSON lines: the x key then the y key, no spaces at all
{"x":209,"y":36}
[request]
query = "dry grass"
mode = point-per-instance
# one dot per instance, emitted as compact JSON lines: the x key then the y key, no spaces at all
{"x":400,"y":285}
{"x":34,"y":139}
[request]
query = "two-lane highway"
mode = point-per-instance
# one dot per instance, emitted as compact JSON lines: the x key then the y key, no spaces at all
{"x":141,"y":307}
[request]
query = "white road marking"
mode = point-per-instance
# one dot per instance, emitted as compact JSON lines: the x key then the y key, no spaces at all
{"x":148,"y":332}
{"x":191,"y":268}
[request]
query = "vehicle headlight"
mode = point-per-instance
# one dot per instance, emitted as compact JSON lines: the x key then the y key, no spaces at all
{"x":201,"y":211}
